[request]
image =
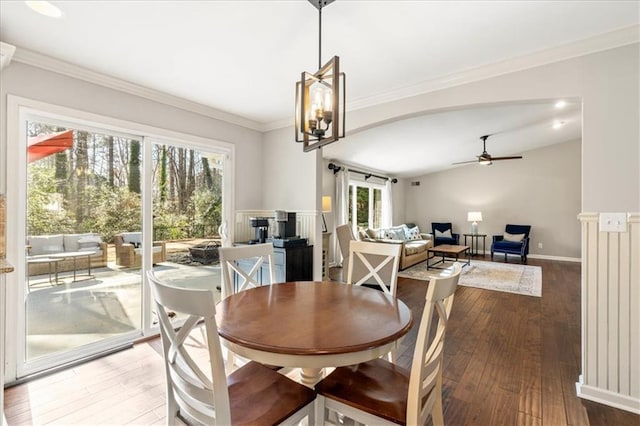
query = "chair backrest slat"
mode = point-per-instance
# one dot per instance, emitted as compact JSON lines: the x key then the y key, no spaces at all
{"x":254,"y":256}
{"x":426,"y":369}
{"x":374,"y":263}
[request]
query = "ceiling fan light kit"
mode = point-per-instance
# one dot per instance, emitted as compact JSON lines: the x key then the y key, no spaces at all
{"x":320,"y":99}
{"x":485,"y":158}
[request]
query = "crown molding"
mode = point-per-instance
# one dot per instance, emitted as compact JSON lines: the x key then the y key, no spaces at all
{"x":610,"y":40}
{"x":49,"y":63}
{"x":6,"y":53}
{"x":602,"y":42}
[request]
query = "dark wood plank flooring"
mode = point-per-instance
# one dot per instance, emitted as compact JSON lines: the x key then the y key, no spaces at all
{"x":510,"y":359}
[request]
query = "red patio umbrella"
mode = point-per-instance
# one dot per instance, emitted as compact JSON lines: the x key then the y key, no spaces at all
{"x":44,"y":145}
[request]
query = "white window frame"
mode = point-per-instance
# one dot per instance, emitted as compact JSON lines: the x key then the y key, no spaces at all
{"x":371,"y":186}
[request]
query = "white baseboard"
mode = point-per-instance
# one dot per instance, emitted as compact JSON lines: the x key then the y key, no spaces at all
{"x":603,"y":396}
{"x":560,"y":258}
{"x":540,"y":256}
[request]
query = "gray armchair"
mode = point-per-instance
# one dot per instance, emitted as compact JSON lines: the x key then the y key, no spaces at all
{"x":345,"y":236}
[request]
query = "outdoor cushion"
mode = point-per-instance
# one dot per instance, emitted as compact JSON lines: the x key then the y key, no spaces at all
{"x":134,"y":238}
{"x":45,"y":244}
{"x":90,"y":241}
{"x":154,"y":249}
{"x":74,"y":242}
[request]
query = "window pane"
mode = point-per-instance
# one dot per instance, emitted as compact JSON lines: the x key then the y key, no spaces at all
{"x":363,"y":207}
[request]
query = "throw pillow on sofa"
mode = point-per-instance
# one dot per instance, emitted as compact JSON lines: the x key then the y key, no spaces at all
{"x":395,"y":233}
{"x":412,"y":234}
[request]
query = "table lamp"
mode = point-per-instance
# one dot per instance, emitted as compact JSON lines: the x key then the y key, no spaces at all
{"x":326,"y":208}
{"x":474,"y":217}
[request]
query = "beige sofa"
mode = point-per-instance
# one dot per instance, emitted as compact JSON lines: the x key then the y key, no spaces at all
{"x":129,"y":250}
{"x":44,"y":246}
{"x":415,"y":244}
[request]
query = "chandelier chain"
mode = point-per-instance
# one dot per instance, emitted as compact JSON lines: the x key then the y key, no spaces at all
{"x":319,"y":34}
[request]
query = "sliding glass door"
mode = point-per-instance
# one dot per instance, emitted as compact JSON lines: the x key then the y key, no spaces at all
{"x":83,"y":190}
{"x":95,"y":208}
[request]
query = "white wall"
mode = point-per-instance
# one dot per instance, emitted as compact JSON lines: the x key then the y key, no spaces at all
{"x":541,"y":190}
{"x":35,"y":83}
{"x":608,"y":84}
{"x":292,"y":181}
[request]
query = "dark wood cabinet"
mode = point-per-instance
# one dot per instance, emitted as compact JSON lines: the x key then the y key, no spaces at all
{"x":289,"y":264}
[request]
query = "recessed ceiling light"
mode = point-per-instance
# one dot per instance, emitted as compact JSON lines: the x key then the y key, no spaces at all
{"x":558,"y":123}
{"x":560,"y":104}
{"x":44,"y":8}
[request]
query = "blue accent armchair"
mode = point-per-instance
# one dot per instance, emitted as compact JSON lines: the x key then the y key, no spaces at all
{"x":443,"y":227}
{"x":520,"y":248}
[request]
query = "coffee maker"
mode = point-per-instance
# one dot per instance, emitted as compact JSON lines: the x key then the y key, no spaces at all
{"x":286,"y":224}
{"x":285,"y":235}
{"x":261,"y":225}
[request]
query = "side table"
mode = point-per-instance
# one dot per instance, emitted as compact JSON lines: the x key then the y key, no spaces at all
{"x":475,"y":243}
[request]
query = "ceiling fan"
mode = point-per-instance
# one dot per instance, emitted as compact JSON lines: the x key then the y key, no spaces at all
{"x":485,"y":158}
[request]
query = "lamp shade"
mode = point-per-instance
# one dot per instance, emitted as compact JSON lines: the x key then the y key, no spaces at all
{"x":474,"y":217}
{"x":326,"y":204}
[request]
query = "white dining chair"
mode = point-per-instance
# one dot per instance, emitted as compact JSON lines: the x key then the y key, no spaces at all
{"x":253,"y":258}
{"x":252,"y":394}
{"x":246,"y":263}
{"x":382,"y":393}
{"x":375,"y":264}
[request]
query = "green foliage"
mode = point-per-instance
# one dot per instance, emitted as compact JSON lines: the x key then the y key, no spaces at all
{"x":170,"y":226}
{"x":116,"y":210}
{"x":42,"y":216}
{"x":96,"y":187}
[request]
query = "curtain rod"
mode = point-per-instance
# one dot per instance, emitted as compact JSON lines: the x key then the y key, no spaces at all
{"x":367,"y":175}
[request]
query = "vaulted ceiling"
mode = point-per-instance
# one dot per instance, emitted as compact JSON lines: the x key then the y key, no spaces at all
{"x":243,"y":57}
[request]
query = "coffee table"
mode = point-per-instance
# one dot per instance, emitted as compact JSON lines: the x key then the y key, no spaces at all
{"x":49,"y":260}
{"x":75,"y":255}
{"x":448,"y":251}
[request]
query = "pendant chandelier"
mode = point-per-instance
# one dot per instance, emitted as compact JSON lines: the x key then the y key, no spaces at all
{"x":320,"y":98}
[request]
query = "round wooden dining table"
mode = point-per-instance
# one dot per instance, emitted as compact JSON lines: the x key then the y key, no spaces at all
{"x":312,"y":325}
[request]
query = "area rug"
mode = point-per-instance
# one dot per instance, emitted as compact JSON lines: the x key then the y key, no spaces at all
{"x":510,"y":278}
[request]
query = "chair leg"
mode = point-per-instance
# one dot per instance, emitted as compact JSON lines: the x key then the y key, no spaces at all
{"x":505,"y":257}
{"x":319,"y":410}
{"x":437,"y":416}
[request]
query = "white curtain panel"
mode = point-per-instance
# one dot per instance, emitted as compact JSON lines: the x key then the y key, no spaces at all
{"x":387,"y":204}
{"x":342,"y":208}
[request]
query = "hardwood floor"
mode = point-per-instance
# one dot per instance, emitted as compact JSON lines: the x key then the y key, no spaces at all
{"x":510,"y":359}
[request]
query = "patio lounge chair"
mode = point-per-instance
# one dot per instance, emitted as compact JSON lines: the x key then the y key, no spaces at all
{"x":129,"y":250}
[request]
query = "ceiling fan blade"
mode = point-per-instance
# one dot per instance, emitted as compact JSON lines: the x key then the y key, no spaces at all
{"x":464,"y":162}
{"x":517,"y":157}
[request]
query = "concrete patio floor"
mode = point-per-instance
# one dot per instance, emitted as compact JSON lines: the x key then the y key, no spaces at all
{"x":69,"y":314}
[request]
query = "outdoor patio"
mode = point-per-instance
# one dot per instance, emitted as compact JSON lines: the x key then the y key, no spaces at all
{"x":67,"y":314}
